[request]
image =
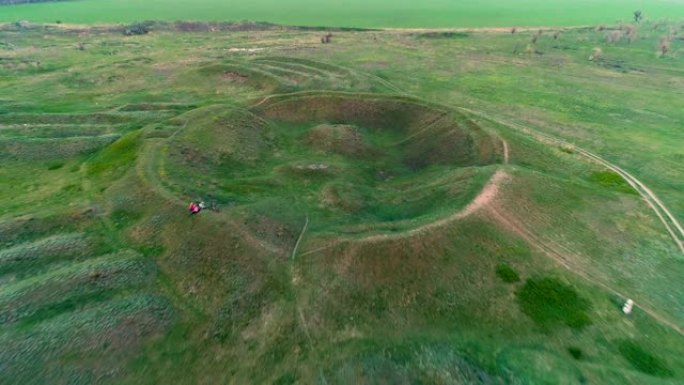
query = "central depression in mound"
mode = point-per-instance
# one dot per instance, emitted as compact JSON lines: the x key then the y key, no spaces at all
{"x":349,"y":162}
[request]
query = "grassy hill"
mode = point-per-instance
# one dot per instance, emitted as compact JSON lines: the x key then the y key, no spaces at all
{"x":354,"y":13}
{"x":392,"y":207}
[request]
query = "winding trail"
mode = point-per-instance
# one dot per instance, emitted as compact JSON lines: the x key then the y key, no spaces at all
{"x":483,"y":198}
{"x":299,"y":239}
{"x":302,"y":320}
{"x":560,"y":254}
{"x":565,"y":258}
{"x":673,"y":227}
{"x":486,"y":195}
{"x":505,"y":151}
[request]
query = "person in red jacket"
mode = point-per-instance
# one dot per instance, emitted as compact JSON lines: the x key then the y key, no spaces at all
{"x":194,"y":208}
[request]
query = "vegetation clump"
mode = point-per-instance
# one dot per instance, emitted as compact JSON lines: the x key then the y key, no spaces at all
{"x":612,"y":180}
{"x":575,"y":352}
{"x":137,"y":29}
{"x":507,"y":274}
{"x":551,"y":303}
{"x":443,"y":35}
{"x":642,"y":360}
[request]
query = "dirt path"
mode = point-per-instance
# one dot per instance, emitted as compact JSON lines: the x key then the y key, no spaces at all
{"x":566,"y":258}
{"x":672,"y":225}
{"x":505,"y":151}
{"x":488,"y":192}
{"x":301,"y":235}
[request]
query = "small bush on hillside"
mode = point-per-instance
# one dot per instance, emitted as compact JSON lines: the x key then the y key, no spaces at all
{"x":613,"y":181}
{"x":630,"y":32}
{"x":136,"y":29}
{"x":507,"y":274}
{"x":551,"y":303}
{"x":596,"y":54}
{"x":575,"y":352}
{"x":638,"y":16}
{"x":664,"y":45}
{"x":614,"y":36}
{"x":567,"y":148}
{"x":55,"y":166}
{"x":642,"y":360}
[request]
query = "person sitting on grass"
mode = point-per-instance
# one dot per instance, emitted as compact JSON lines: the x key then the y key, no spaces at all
{"x":194,"y":208}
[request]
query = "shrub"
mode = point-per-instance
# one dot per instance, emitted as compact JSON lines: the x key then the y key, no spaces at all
{"x":55,"y":166}
{"x":642,"y":360}
{"x":551,"y":303}
{"x":507,"y":274}
{"x":136,"y":29}
{"x":612,"y":180}
{"x":596,"y":53}
{"x":664,"y":46}
{"x":575,"y":352}
{"x":614,"y":36}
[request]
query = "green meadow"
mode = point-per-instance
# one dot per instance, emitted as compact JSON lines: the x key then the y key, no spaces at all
{"x":391,"y":207}
{"x":353,"y":13}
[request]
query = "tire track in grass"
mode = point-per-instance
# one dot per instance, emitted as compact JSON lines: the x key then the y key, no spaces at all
{"x":488,"y":193}
{"x":299,"y":239}
{"x":672,"y":225}
{"x":565,"y":258}
{"x":302,"y":319}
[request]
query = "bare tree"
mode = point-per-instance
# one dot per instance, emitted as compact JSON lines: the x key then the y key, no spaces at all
{"x":614,"y":36}
{"x":638,"y":16}
{"x":327,"y":38}
{"x":536,"y":36}
{"x":630,"y":32}
{"x":664,"y":45}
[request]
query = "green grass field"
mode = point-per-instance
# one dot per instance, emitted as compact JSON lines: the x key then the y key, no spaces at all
{"x":394,"y":207}
{"x":353,"y":13}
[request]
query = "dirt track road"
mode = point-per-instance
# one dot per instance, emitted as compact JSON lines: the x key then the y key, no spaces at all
{"x":673,"y":227}
{"x":488,"y":192}
{"x":566,"y":258}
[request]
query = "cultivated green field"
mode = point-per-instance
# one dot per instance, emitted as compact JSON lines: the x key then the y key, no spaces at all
{"x":353,"y":13}
{"x":394,"y":207}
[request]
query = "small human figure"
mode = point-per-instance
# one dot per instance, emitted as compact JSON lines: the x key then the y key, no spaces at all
{"x":194,"y":208}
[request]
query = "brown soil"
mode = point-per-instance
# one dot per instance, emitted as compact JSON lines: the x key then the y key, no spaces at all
{"x":234,"y":76}
{"x":488,"y":193}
